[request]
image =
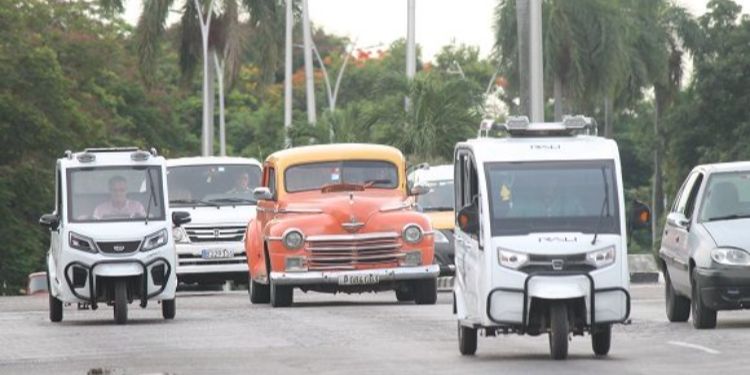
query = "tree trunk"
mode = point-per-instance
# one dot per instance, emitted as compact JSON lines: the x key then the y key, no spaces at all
{"x":559,"y":98}
{"x":522,"y":19}
{"x":657,"y":197}
{"x":211,"y":104}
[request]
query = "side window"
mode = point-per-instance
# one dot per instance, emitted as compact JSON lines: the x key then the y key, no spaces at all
{"x":271,"y":181}
{"x":693,"y":196}
{"x":458,"y":177}
{"x":682,"y":196}
{"x":58,"y":193}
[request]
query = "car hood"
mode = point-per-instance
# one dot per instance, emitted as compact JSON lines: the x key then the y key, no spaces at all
{"x":352,"y":206}
{"x":223,"y":215}
{"x":730,"y":232}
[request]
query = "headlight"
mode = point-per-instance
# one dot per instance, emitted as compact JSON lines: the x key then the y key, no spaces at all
{"x":440,"y":237}
{"x":601,"y":258}
{"x":154,"y":240}
{"x":512,"y":259}
{"x":293,"y":239}
{"x":180,"y":235}
{"x":81,"y":242}
{"x":730,"y":257}
{"x":412,"y":233}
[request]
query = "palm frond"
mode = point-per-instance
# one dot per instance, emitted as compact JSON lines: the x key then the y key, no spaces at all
{"x":150,"y":30}
{"x":190,"y":41}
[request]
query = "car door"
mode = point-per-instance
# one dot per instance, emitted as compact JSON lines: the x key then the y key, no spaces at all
{"x":469,"y":254}
{"x":675,"y":238}
{"x":267,"y":208}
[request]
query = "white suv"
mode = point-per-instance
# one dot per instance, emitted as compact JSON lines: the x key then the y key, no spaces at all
{"x":218,"y":194}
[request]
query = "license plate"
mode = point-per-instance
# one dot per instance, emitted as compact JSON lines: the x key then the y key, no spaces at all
{"x":216,"y":253}
{"x":359,"y":279}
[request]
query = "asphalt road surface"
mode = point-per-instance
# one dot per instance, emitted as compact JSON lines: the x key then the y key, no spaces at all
{"x":222,"y":333}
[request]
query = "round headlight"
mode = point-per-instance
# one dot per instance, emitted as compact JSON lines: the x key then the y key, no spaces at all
{"x":412,"y":233}
{"x":293,"y":239}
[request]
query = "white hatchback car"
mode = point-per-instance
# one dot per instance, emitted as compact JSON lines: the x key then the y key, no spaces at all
{"x":704,"y":248}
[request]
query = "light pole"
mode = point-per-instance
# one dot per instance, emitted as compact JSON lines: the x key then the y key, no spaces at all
{"x":206,"y":129}
{"x":309,"y":78}
{"x":411,"y":49}
{"x":536,"y":73}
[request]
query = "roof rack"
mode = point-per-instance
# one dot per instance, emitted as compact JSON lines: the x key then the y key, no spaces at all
{"x":519,"y":126}
{"x":111,"y":149}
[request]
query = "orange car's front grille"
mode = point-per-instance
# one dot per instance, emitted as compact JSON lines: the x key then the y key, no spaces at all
{"x":337,"y":252}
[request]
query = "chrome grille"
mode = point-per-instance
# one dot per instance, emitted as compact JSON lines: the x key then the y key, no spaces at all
{"x":215,"y":234}
{"x":118,"y":247}
{"x":198,"y":260}
{"x":337,"y":252}
{"x":543,"y":263}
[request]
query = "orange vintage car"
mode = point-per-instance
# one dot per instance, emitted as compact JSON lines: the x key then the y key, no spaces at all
{"x":338,"y":218}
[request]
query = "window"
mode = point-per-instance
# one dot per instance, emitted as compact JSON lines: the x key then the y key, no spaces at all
{"x":690,"y":207}
{"x":727,"y":196}
{"x":271,"y":182}
{"x":682,"y":201}
{"x":315,"y":176}
{"x":214,"y":184}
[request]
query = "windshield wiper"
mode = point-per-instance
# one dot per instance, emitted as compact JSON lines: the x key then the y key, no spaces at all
{"x":232,"y":200}
{"x":604,"y":204}
{"x":193,"y":202}
{"x":729,"y":217}
{"x":438,"y":208}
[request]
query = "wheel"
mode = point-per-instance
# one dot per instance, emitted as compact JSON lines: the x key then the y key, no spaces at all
{"x":703,"y":317}
{"x":404,"y":295}
{"x":55,"y":305}
{"x":121,"y":302}
{"x":259,"y":293}
{"x":601,"y":339}
{"x":425,"y":291}
{"x":281,"y":295}
{"x":678,"y":307}
{"x":467,"y":340}
{"x":168,"y":308}
{"x":558,"y":333}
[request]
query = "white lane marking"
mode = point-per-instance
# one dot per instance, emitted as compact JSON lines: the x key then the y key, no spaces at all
{"x":693,"y":346}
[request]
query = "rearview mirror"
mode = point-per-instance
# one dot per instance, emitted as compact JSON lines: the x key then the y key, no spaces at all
{"x":678,"y":219}
{"x":51,"y":221}
{"x":262,"y":194}
{"x":180,"y":217}
{"x":419,"y":189}
{"x":468,"y":219}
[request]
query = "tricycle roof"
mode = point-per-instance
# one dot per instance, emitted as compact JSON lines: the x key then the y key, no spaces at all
{"x":102,"y":157}
{"x":511,"y":149}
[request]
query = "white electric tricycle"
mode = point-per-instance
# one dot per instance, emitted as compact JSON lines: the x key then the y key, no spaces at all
{"x":540,"y":237}
{"x":111,"y":241}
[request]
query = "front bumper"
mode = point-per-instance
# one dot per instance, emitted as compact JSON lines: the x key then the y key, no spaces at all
{"x":332,"y":277}
{"x":724,"y":288}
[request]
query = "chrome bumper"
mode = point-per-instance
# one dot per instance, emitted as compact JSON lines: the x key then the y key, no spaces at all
{"x":332,"y":277}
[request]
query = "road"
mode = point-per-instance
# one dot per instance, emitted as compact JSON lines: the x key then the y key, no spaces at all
{"x":218,"y":333}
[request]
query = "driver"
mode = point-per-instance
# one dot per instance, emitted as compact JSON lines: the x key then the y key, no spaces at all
{"x":118,"y":204}
{"x":241,"y":184}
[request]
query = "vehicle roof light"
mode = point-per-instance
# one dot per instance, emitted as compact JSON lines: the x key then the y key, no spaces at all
{"x":517,"y":123}
{"x":86,"y":157}
{"x":140,"y":156}
{"x":576,"y":122}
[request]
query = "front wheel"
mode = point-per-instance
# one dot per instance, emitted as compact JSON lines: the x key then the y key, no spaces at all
{"x":559,"y":330}
{"x":168,"y":308}
{"x":259,"y":293}
{"x":55,"y":309}
{"x":404,"y":295}
{"x":121,"y":302}
{"x":281,"y":295}
{"x":703,"y":316}
{"x":425,"y":291}
{"x":467,"y":340}
{"x":601,"y":339}
{"x":678,"y":307}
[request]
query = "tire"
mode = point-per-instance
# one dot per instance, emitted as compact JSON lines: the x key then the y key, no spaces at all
{"x":404,"y":295}
{"x":121,"y":302}
{"x":281,"y":295}
{"x":703,"y":317}
{"x":559,"y":330}
{"x":259,"y":293}
{"x":425,"y":291}
{"x":467,"y":340}
{"x":168,"y":308}
{"x":55,"y":305}
{"x":601,"y":339}
{"x":677,"y":306}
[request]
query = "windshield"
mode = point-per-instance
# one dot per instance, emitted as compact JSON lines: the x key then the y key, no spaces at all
{"x":314,"y":176}
{"x":108,"y":194}
{"x":212,"y":185}
{"x":533,"y":197}
{"x":439,"y":198}
{"x":727,"y":196}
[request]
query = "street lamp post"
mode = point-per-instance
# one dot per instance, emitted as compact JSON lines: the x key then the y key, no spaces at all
{"x":288,"y":74}
{"x":205,"y":24}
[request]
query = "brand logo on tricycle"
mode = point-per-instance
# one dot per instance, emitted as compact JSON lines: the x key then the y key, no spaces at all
{"x":558,"y":239}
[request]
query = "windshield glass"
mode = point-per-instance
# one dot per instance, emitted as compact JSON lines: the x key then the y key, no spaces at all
{"x":727,"y":196}
{"x":440,"y":197}
{"x":107,"y":194}
{"x":212,"y":184}
{"x":567,"y":196}
{"x":314,"y":176}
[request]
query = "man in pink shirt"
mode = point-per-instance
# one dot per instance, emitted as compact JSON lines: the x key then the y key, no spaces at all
{"x":119,"y":206}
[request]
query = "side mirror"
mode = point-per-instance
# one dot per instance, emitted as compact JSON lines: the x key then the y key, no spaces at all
{"x":678,"y":220}
{"x":468,"y":219}
{"x":419,"y":189}
{"x":51,"y":221}
{"x":262,"y":194}
{"x":180,"y":217}
{"x":640,"y":216}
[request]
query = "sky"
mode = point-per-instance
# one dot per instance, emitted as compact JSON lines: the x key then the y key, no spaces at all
{"x":438,"y":22}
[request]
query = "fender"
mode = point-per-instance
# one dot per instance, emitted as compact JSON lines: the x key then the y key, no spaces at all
{"x":52,"y":276}
{"x":461,"y":313}
{"x":254,"y":251}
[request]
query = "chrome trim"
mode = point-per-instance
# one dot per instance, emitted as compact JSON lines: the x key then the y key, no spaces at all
{"x":385,"y":274}
{"x":299,"y":211}
{"x":354,"y":237}
{"x":356,"y":247}
{"x":401,"y":206}
{"x":403,"y":233}
{"x":290,"y":230}
{"x":360,"y":257}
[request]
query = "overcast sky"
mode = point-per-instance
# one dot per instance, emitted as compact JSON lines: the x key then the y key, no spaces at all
{"x":438,"y":22}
